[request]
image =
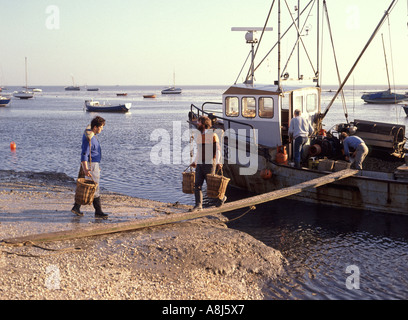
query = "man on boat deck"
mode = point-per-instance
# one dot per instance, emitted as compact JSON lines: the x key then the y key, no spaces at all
{"x":357,"y":147}
{"x":90,"y":145}
{"x":299,"y":130}
{"x":207,"y":159}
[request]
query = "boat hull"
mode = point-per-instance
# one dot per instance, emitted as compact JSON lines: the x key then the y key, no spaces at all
{"x":357,"y":192}
{"x":4,"y":102}
{"x":121,"y":108}
{"x":23,"y":95}
{"x":384,"y":97}
{"x":172,"y":91}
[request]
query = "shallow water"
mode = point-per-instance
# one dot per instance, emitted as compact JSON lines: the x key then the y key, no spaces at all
{"x":320,"y":243}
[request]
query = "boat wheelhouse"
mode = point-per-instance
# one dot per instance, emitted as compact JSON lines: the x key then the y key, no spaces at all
{"x":269,"y":109}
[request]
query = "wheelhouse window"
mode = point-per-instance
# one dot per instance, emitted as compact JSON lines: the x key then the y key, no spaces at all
{"x":311,"y":103}
{"x":232,"y":106}
{"x":266,"y":107}
{"x":298,"y":103}
{"x":249,"y":107}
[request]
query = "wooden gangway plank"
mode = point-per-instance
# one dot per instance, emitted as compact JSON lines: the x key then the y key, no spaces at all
{"x":178,"y":217}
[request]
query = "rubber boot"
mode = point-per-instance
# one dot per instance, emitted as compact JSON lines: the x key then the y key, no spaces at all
{"x":98,"y":209}
{"x":198,"y":194}
{"x":77,"y":210}
{"x":220,"y":202}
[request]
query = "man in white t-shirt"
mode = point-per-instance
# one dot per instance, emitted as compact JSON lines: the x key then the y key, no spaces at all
{"x":299,"y":131}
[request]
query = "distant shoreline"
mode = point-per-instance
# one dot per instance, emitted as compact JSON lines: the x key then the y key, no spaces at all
{"x":83,"y":87}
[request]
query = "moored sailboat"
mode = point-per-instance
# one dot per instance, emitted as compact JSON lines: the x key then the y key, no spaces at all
{"x":384,"y":97}
{"x":24,"y":94}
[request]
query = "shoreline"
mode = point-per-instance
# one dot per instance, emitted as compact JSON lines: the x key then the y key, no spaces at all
{"x":199,"y":259}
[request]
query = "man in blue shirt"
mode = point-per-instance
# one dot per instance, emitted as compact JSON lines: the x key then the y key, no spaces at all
{"x":90,"y":145}
{"x":354,"y":148}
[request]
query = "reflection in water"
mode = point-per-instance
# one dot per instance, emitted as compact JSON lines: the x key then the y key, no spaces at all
{"x":321,"y":243}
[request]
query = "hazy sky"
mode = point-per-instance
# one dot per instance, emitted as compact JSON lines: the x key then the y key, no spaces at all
{"x":141,"y":42}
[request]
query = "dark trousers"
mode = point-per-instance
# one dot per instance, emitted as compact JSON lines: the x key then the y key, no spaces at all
{"x":200,"y":176}
{"x":298,"y":149}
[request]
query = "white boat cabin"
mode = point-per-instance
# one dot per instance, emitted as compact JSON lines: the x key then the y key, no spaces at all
{"x":268,"y":110}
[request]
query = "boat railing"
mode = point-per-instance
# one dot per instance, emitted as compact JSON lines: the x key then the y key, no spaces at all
{"x":227,"y":122}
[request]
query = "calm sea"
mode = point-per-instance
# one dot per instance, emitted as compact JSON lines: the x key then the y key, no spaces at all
{"x":332,"y":253}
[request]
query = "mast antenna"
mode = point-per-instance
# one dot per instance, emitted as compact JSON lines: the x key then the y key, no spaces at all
{"x":251,"y":38}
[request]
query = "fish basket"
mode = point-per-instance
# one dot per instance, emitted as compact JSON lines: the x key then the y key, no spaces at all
{"x":85,"y":191}
{"x":216,"y":186}
{"x":188,"y":182}
{"x":325,"y":165}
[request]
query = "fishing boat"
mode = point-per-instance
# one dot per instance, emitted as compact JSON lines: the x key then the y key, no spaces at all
{"x":92,"y":89}
{"x":122,"y":94}
{"x":96,"y":106}
{"x":4,"y":101}
{"x":257,"y":150}
{"x":149,"y":96}
{"x":24,"y":94}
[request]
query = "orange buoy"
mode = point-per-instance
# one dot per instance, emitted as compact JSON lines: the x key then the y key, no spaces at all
{"x":13,"y":146}
{"x":266,"y":174}
{"x":282,"y":155}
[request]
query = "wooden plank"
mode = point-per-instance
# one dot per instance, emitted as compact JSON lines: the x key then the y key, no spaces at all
{"x":178,"y":217}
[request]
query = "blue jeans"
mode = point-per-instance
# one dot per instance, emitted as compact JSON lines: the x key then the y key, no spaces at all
{"x":298,"y":149}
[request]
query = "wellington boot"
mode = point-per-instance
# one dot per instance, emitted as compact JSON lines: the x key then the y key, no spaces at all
{"x":77,"y":210}
{"x":98,"y":209}
{"x":198,"y":194}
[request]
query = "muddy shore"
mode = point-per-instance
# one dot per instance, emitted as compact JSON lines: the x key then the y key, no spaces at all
{"x":199,"y":259}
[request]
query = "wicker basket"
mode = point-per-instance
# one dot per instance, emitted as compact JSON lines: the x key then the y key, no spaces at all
{"x":325,"y":165}
{"x":216,"y":186}
{"x":85,"y":191}
{"x":188,"y":182}
{"x":341,"y":165}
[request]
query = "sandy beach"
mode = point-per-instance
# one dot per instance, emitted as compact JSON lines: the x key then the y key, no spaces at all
{"x":200,"y":259}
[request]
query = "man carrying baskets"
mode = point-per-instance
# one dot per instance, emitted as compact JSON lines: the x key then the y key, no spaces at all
{"x":91,"y":156}
{"x":207,"y":159}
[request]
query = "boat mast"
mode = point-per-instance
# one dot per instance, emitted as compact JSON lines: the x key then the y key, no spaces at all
{"x":279,"y":47}
{"x":387,"y":12}
{"x":386,"y":63}
{"x":26,"y":82}
{"x":298,"y":44}
{"x":317,"y":75}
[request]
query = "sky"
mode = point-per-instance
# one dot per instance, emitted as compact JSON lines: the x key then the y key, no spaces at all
{"x":146,"y":42}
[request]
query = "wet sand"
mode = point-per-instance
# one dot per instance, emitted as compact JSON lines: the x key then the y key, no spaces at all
{"x":199,"y":259}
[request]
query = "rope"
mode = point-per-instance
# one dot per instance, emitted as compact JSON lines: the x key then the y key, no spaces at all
{"x":251,"y":208}
{"x":32,"y":244}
